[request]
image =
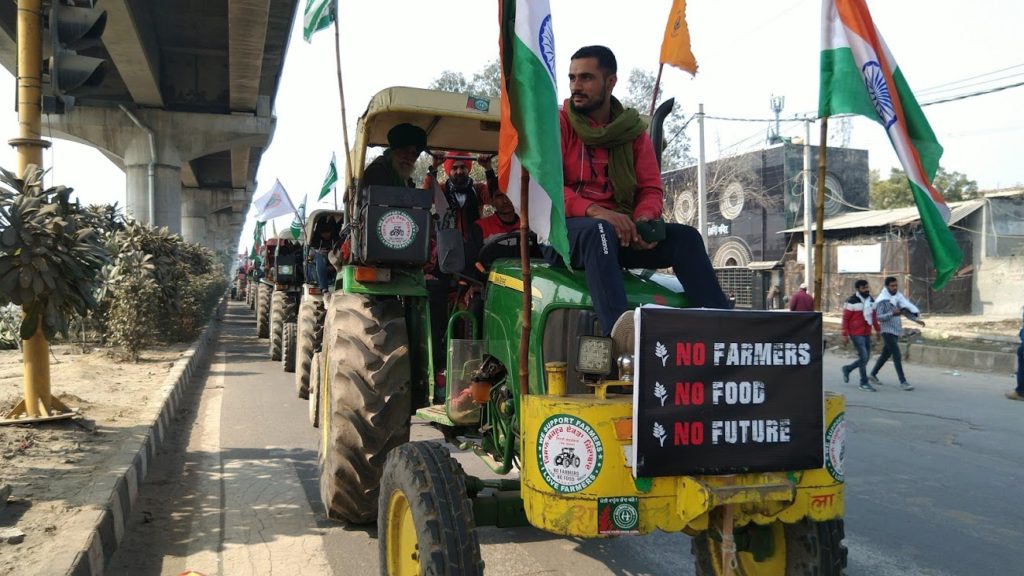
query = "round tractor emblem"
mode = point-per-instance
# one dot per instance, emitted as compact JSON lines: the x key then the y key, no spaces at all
{"x":835,"y":439}
{"x":569,"y":453}
{"x":625,"y":516}
{"x":396,"y":230}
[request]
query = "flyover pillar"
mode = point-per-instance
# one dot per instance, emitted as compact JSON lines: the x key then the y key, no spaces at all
{"x":165,"y":182}
{"x":194,"y":212}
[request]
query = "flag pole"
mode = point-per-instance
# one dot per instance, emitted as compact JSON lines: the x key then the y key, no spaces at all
{"x":524,"y":257}
{"x":654,"y":95}
{"x":819,"y":234}
{"x":341,"y":96}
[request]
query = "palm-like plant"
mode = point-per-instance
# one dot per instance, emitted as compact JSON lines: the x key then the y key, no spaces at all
{"x":50,"y":254}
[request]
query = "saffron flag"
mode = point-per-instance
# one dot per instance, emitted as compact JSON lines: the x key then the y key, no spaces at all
{"x":860,"y":76}
{"x":318,"y":15}
{"x":530,"y":137}
{"x":675,"y":47}
{"x":331,"y":179}
{"x":300,"y":219}
{"x":274,"y":203}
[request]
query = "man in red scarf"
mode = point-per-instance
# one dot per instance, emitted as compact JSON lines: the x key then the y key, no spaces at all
{"x":463,"y":199}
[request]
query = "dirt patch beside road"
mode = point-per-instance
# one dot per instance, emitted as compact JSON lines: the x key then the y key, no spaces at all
{"x":54,"y":468}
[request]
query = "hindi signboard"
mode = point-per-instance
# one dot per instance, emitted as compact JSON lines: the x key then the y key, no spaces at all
{"x":727,"y":391}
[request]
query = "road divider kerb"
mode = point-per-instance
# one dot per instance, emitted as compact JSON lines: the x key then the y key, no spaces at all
{"x":96,"y":534}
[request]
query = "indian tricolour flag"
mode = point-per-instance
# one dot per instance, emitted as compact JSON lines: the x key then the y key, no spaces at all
{"x":860,"y":76}
{"x":530,"y":135}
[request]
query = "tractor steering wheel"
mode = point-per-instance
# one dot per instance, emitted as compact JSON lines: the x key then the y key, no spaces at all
{"x":503,"y":246}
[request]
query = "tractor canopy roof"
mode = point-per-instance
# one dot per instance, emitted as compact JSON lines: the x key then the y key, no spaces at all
{"x":283,"y":237}
{"x":452,"y":121}
{"x":316,"y":216}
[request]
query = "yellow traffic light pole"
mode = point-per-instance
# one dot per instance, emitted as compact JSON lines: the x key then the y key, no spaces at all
{"x":38,"y":404}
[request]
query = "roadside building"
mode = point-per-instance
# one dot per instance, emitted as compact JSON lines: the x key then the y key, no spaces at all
{"x":750,"y":199}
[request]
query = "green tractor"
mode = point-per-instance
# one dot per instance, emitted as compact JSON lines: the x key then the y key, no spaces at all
{"x":323,"y":234}
{"x":280,"y":270}
{"x":563,"y":443}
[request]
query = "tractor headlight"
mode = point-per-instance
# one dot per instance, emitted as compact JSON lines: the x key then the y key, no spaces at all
{"x":594,"y":355}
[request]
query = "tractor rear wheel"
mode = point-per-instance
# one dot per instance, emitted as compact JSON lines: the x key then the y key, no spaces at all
{"x":366,"y":400}
{"x":278,"y":302}
{"x":806,"y":548}
{"x":263,"y":311}
{"x":250,"y":293}
{"x":288,"y":347}
{"x":314,"y":389}
{"x":425,"y":521}
{"x":311,"y":314}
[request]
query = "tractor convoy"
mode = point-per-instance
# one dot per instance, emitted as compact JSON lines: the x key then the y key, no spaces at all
{"x":575,"y":448}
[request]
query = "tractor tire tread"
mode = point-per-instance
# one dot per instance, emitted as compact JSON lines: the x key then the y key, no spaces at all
{"x":369,"y":401}
{"x":435,"y":487}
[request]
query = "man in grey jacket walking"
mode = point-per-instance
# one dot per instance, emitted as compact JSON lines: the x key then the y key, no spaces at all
{"x":890,"y":305}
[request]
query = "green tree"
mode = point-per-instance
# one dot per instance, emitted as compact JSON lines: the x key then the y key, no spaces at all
{"x":450,"y":81}
{"x":487,"y":82}
{"x":639,"y":89}
{"x":894,"y":192}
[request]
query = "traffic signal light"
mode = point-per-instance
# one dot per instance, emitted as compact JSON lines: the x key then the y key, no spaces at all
{"x":74,"y":26}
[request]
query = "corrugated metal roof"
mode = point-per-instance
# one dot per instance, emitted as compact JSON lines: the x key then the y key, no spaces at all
{"x":893,"y":217}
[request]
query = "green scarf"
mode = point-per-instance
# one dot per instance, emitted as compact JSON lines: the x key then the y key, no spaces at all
{"x":617,"y":136}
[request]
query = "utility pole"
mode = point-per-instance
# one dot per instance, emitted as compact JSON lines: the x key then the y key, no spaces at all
{"x":807,"y":202}
{"x":37,"y":404}
{"x":702,"y":193}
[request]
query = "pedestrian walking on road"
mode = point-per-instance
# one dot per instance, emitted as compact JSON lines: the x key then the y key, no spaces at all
{"x":1018,"y":393}
{"x":801,"y":301}
{"x":858,"y":319}
{"x":890,"y":305}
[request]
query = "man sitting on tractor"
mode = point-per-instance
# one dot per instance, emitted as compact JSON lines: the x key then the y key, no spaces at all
{"x":503,"y":221}
{"x":395,"y":166}
{"x":460,"y":199}
{"x":326,"y":237}
{"x":613,"y":196}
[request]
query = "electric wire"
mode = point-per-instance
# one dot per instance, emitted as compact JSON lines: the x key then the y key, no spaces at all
{"x":937,"y":86}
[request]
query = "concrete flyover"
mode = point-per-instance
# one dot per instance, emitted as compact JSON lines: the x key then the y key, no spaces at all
{"x":185,"y":108}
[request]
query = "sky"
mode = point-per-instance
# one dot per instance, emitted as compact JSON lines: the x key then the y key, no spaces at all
{"x":747,"y":52}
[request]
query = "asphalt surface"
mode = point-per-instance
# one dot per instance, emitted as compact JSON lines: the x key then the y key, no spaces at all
{"x":933,"y":485}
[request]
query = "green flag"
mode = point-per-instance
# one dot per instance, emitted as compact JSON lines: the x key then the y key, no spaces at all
{"x":299,"y":220}
{"x":318,"y":15}
{"x":257,"y":238}
{"x":331,"y":179}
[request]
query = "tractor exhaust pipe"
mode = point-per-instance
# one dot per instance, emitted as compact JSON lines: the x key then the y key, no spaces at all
{"x":657,"y":129}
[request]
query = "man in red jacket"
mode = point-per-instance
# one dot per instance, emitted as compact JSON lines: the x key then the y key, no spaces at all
{"x":611,"y":184}
{"x":858,"y":319}
{"x":801,"y":301}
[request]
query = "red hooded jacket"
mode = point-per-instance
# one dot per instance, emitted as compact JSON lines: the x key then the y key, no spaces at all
{"x":585,"y":175}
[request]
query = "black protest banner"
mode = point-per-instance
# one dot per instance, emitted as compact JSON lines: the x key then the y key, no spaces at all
{"x":727,"y":391}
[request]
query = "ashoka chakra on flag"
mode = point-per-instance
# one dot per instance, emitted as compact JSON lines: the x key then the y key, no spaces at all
{"x":878,"y":90}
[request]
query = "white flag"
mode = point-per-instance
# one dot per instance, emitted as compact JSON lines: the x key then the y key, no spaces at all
{"x":274,"y":203}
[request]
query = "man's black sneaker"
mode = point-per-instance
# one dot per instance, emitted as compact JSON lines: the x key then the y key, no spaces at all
{"x":868,"y":387}
{"x":846,"y":375}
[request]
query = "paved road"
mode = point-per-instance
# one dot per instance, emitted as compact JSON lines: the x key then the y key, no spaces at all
{"x":933,"y":485}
